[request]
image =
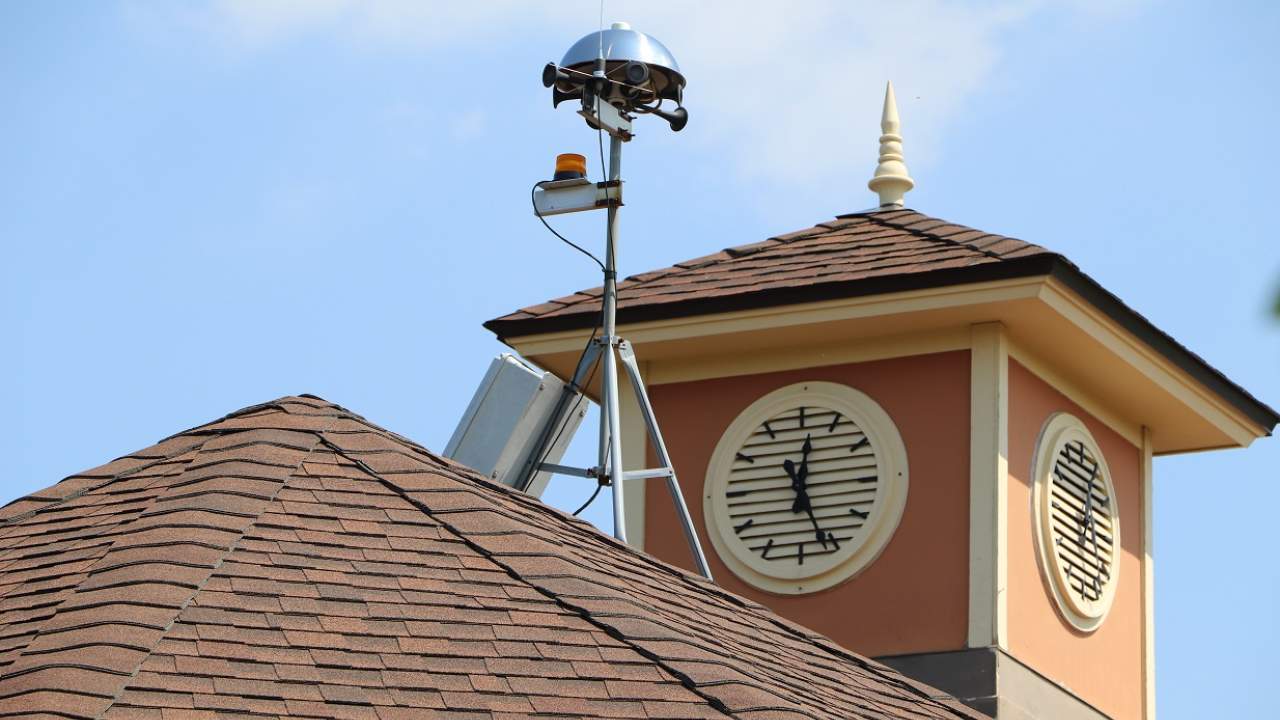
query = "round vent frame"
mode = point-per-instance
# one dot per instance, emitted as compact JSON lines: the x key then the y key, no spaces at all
{"x":1077,"y":534}
{"x":863,"y":433}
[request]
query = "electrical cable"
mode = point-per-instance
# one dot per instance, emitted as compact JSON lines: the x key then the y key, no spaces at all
{"x":600,"y":481}
{"x":604,"y":172}
{"x":600,"y":322}
{"x":590,"y":500}
{"x":563,"y":239}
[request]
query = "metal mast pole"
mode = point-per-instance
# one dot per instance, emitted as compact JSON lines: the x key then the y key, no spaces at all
{"x":611,"y":411}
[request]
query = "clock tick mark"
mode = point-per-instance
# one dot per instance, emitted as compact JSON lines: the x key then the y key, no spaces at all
{"x":764,"y":554}
{"x":743,"y":526}
{"x":858,"y":513}
{"x":736,"y":493}
{"x":770,"y":431}
{"x":834,"y":422}
{"x":861,"y":443}
{"x":832,"y":538}
{"x":801,"y":416}
{"x":800,"y":557}
{"x":748,"y":458}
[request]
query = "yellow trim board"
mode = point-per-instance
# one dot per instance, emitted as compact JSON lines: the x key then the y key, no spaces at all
{"x":700,"y":326}
{"x":1165,"y":374}
{"x":989,"y":487}
{"x":1053,"y":331}
{"x":731,"y":364}
{"x":1148,"y":582}
{"x":1086,"y":400}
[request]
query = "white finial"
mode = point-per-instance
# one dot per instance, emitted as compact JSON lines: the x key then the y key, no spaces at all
{"x":891,"y":180}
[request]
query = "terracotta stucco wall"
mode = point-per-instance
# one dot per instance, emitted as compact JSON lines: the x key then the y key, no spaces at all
{"x":1104,"y":668}
{"x":914,"y":597}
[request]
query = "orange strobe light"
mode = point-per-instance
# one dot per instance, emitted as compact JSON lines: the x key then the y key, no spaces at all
{"x":570,"y":166}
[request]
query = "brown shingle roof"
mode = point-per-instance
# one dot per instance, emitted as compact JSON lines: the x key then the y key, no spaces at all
{"x":292,"y":559}
{"x":848,"y":253}
{"x":857,"y":255}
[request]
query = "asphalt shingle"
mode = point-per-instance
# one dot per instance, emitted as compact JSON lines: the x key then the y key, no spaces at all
{"x":868,"y":246}
{"x":292,"y":559}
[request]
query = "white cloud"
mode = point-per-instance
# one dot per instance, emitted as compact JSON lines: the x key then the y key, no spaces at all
{"x":253,"y":24}
{"x":797,"y":87}
{"x":786,"y":90}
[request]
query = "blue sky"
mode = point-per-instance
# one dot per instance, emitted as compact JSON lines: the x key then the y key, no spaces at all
{"x":208,"y":205}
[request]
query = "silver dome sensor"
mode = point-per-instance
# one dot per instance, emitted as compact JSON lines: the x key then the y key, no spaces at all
{"x":630,"y":70}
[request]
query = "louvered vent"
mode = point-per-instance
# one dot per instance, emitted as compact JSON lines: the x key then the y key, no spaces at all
{"x":1083,"y":536}
{"x":840,"y":483}
{"x":1078,"y":524}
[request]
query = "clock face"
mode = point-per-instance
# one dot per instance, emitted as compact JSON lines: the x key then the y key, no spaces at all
{"x":805,"y":487}
{"x":1076,"y":524}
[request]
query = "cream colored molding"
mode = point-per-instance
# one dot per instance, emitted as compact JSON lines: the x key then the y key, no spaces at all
{"x":635,"y":446}
{"x":809,"y":356}
{"x":1148,"y":583}
{"x":1087,"y":401}
{"x":988,"y":487}
{"x":767,"y":486}
{"x":1036,"y":310}
{"x":1158,"y":369}
{"x":1083,"y":613}
{"x":701,"y":326}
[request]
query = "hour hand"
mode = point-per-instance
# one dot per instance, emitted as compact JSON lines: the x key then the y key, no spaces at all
{"x":796,"y":484}
{"x":790,"y":467}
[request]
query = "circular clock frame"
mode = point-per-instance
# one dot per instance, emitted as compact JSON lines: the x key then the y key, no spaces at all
{"x":857,"y":552}
{"x":1084,"y":608}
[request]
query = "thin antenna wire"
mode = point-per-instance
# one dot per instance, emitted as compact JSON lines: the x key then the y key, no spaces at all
{"x":600,"y":34}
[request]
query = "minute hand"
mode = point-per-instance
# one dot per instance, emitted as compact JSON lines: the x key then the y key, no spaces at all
{"x":802,"y":502}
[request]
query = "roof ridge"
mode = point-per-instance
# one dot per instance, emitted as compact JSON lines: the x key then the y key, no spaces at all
{"x":940,"y":239}
{"x":278,"y":403}
{"x":485,"y":552}
{"x":465,"y":476}
{"x":114,"y":663}
{"x":230,"y":548}
{"x":5,"y":522}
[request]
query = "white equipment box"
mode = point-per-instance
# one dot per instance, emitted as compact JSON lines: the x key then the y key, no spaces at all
{"x":511,"y":415}
{"x":556,"y":197}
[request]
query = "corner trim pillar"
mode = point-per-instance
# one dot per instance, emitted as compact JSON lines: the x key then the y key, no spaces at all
{"x":988,"y":486}
{"x":1148,"y":583}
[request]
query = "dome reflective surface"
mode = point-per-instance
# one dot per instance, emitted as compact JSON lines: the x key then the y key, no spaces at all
{"x":621,"y":44}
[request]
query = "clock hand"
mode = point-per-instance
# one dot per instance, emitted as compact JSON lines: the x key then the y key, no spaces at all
{"x":1090,"y":521}
{"x":796,"y":483}
{"x":818,"y":532}
{"x":798,"y":478}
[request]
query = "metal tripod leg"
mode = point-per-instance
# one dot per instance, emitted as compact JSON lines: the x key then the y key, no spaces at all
{"x":628,"y":357}
{"x":611,"y":455}
{"x":570,"y":395}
